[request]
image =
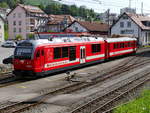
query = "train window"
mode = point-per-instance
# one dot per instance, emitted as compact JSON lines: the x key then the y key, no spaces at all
{"x":118,"y":45}
{"x":129,"y":44}
{"x":42,"y":52}
{"x":38,"y":54}
{"x":64,"y":52}
{"x":72,"y":52}
{"x":115,"y":46}
{"x":121,"y":45}
{"x":96,"y":48}
{"x":57,"y":53}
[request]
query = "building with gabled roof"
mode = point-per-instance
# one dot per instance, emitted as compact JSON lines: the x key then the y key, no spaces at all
{"x":57,"y":23}
{"x":24,"y":19}
{"x":134,"y":25}
{"x":95,"y":28}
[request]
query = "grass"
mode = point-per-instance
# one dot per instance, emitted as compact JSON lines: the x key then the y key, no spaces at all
{"x":139,"y":105}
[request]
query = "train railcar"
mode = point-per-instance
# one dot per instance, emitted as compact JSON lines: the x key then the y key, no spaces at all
{"x":41,"y":57}
{"x":120,"y":46}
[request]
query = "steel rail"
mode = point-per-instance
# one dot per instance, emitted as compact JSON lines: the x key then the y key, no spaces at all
{"x":115,"y":95}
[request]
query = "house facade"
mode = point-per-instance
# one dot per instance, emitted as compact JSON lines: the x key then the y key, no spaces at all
{"x":57,"y":23}
{"x":1,"y":29}
{"x":133,"y":25}
{"x":94,"y":28}
{"x":24,"y":19}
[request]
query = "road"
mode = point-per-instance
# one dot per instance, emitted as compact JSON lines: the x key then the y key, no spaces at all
{"x":5,"y":52}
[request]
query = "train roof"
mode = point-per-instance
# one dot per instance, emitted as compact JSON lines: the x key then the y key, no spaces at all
{"x":70,"y":40}
{"x":58,"y":40}
{"x":120,"y":39}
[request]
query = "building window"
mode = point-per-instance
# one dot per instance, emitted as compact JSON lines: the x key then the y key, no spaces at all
{"x":76,"y":29}
{"x":14,"y":29}
{"x":19,"y":15}
{"x":14,"y":23}
{"x":121,"y":24}
{"x":128,"y":24}
{"x":14,"y":15}
{"x":125,"y":17}
{"x":20,"y":22}
{"x":20,"y":30}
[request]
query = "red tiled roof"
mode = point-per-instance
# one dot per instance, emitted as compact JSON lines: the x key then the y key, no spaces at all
{"x":56,"y":19}
{"x":30,"y":8}
{"x":138,"y":19}
{"x":94,"y":26}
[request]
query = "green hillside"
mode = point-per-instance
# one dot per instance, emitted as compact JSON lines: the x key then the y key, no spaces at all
{"x":53,"y":7}
{"x":38,"y":2}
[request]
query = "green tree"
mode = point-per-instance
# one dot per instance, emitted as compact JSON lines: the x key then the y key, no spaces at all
{"x":6,"y":31}
{"x":31,"y":36}
{"x":4,"y":5}
{"x":19,"y":37}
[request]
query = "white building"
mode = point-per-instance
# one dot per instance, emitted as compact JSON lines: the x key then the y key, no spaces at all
{"x":1,"y":29}
{"x":24,"y":19}
{"x":127,"y":10}
{"x":133,"y":25}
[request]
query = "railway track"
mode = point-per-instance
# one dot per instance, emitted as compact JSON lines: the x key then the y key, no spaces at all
{"x":7,"y":107}
{"x":102,"y":103}
{"x":17,"y":107}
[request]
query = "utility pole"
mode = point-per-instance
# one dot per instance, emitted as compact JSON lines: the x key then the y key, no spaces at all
{"x":108,"y":16}
{"x":142,"y":8}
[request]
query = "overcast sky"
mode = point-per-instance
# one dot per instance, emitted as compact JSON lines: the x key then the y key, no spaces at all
{"x":114,"y":5}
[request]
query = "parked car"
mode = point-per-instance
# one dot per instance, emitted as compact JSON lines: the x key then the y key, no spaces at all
{"x":8,"y":60}
{"x":9,"y":44}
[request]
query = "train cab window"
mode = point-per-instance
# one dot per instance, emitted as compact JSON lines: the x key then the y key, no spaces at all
{"x":72,"y":52}
{"x":38,"y":54}
{"x":96,"y":48}
{"x":42,"y":52}
{"x":57,"y":53}
{"x":64,"y":52}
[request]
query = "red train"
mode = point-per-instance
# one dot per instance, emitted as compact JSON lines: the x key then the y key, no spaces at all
{"x":41,"y":57}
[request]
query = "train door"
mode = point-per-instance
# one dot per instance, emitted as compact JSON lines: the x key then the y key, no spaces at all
{"x":40,"y":59}
{"x":82,"y":54}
